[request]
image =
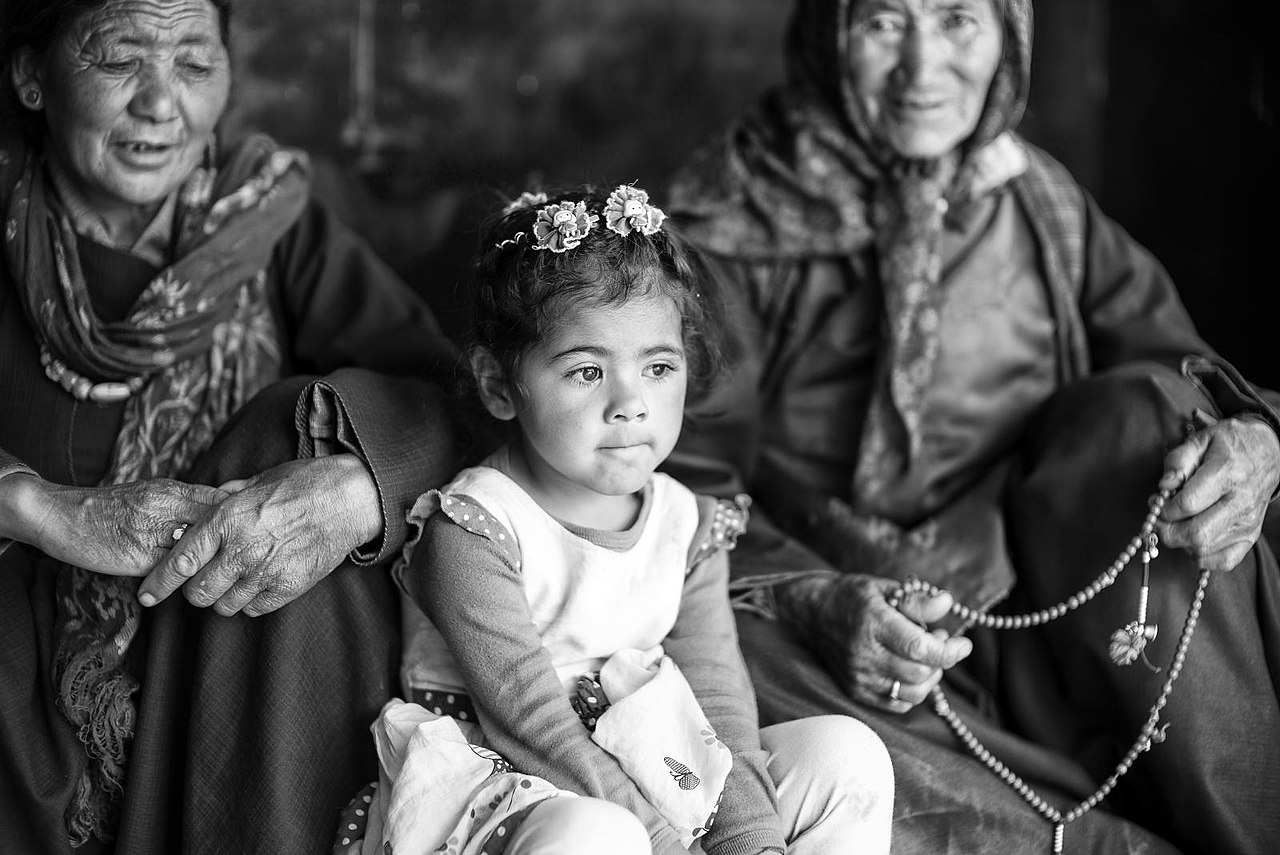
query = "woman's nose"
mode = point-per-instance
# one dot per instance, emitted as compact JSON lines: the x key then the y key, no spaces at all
{"x":921,"y":49}
{"x":154,"y":98}
{"x":627,"y":403}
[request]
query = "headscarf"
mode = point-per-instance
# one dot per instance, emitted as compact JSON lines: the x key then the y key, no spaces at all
{"x":202,"y":339}
{"x":803,"y":177}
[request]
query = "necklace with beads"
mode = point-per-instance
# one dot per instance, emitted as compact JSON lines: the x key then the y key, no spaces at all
{"x":1127,"y":644}
{"x":82,"y":388}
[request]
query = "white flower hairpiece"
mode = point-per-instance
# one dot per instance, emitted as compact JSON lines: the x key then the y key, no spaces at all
{"x":562,"y":226}
{"x":628,"y":208}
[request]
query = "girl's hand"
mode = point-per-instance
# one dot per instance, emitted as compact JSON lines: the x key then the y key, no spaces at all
{"x":1228,"y":471}
{"x":868,"y":645}
{"x":118,"y":530}
{"x":275,"y":536}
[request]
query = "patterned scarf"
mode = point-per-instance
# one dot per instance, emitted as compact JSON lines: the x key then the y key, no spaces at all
{"x":202,"y":336}
{"x":804,"y":177}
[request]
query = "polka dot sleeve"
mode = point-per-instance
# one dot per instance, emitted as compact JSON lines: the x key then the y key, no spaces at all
{"x":466,"y":512}
{"x":721,"y":522}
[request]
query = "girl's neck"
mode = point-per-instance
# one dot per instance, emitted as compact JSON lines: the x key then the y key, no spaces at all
{"x":573,"y":503}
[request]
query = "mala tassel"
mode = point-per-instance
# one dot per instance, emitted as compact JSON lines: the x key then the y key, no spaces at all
{"x":1131,"y":642}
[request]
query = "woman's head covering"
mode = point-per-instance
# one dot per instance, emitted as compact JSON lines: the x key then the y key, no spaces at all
{"x":801,"y":174}
{"x":803,"y":177}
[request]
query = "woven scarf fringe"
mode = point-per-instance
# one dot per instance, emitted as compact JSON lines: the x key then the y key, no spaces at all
{"x":97,"y":697}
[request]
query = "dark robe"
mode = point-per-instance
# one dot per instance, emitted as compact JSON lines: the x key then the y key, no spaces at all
{"x":1045,"y":426}
{"x":252,"y":733}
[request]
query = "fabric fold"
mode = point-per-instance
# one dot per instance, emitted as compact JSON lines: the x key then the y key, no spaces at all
{"x":660,"y":737}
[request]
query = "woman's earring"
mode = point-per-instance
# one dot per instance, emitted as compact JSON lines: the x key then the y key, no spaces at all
{"x":32,"y":97}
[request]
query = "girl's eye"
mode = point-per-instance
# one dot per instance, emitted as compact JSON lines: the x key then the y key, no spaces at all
{"x":587,"y":373}
{"x":660,"y":369}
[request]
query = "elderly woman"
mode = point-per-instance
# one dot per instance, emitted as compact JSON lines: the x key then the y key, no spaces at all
{"x":958,"y":386}
{"x":155,"y":278}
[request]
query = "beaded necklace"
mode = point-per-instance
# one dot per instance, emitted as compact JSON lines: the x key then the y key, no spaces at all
{"x":82,"y":388}
{"x":1127,"y":644}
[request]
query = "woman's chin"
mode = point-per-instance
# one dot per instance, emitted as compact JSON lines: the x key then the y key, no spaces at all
{"x":924,"y":145}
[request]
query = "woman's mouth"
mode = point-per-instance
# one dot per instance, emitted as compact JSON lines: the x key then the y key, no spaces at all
{"x":915,"y":104}
{"x":142,"y":147}
{"x":145,"y":155}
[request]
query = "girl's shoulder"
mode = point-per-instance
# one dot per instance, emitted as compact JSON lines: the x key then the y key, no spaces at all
{"x":720,"y":523}
{"x":480,"y":499}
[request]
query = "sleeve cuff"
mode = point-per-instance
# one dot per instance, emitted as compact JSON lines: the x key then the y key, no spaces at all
{"x":398,"y":426}
{"x":749,"y":843}
{"x":1234,"y":396}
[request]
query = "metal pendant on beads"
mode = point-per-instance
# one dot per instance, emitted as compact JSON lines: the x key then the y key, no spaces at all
{"x":1131,"y":642}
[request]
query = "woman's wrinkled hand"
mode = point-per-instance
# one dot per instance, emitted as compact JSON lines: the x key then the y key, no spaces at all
{"x":1228,"y":471}
{"x":117,"y":530}
{"x":274,"y":537}
{"x":868,"y":644}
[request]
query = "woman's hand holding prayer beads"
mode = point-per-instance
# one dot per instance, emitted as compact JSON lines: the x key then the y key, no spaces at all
{"x":870,"y":646}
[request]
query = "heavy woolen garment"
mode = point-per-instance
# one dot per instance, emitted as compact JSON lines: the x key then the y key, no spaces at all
{"x":250,"y":733}
{"x":787,"y":429}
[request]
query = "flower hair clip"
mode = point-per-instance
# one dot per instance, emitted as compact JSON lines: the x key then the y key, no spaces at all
{"x":562,"y":226}
{"x":627,"y":209}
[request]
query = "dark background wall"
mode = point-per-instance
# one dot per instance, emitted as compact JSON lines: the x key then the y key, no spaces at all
{"x":419,"y":110}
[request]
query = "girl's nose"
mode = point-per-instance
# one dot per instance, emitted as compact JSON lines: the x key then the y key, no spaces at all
{"x":627,"y":403}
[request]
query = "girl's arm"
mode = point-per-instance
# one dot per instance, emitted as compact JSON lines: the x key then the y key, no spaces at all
{"x":470,"y":588}
{"x":704,"y":644}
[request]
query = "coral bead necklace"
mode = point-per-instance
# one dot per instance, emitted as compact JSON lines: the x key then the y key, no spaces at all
{"x":1127,"y":644}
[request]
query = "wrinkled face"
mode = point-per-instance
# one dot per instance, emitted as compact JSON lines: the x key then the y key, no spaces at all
{"x":920,"y":70}
{"x":601,"y":401}
{"x":131,"y":95}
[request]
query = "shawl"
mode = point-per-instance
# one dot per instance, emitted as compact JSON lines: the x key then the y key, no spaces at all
{"x":198,"y":342}
{"x":802,"y":176}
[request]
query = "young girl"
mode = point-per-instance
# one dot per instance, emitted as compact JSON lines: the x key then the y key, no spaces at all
{"x":577,"y":621}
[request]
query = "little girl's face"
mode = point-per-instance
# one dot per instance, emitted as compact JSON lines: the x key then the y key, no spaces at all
{"x":602,"y":401}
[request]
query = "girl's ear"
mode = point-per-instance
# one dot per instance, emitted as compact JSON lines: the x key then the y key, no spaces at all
{"x":495,"y":391}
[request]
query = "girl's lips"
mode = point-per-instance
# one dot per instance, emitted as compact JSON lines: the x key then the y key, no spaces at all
{"x":634,"y":446}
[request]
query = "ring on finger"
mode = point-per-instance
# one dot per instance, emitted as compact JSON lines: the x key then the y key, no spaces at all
{"x":178,"y":531}
{"x":894,"y":690}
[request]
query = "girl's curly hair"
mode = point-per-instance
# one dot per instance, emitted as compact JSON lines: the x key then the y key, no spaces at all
{"x":519,"y":293}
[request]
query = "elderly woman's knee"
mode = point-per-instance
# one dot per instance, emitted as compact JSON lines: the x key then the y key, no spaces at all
{"x":1127,"y":403}
{"x":1116,"y":424}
